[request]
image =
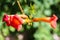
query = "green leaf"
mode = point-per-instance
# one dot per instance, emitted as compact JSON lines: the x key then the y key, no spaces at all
{"x":28,"y":27}
{"x":47,"y":12}
{"x":5,"y":31}
{"x":35,"y":24}
{"x":11,"y":29}
{"x":1,"y":37}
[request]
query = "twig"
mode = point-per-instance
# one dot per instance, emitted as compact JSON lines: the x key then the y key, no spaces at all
{"x":20,"y":7}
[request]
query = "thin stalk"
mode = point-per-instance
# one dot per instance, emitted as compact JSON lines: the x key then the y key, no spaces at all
{"x":20,"y":7}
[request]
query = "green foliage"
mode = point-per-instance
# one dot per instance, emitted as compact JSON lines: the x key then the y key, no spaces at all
{"x":1,"y":37}
{"x":11,"y":29}
{"x":43,"y":32}
{"x":35,"y":8}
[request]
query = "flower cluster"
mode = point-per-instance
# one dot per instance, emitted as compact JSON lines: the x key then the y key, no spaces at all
{"x":13,"y":20}
{"x":16,"y":21}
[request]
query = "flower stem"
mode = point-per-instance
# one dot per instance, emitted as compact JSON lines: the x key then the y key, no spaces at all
{"x":20,"y":7}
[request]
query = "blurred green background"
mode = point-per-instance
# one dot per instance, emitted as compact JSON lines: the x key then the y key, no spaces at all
{"x":32,"y":8}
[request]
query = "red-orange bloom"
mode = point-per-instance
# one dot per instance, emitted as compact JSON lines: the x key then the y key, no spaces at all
{"x":6,"y":18}
{"x":14,"y":21}
{"x":17,"y":20}
{"x":52,"y":20}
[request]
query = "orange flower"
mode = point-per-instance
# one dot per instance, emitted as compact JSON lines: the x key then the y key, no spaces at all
{"x":14,"y":21}
{"x":52,"y":20}
{"x":6,"y":18}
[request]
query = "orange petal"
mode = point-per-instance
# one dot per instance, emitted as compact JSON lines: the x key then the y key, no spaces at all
{"x":19,"y":27}
{"x":53,"y":21}
{"x":53,"y":24}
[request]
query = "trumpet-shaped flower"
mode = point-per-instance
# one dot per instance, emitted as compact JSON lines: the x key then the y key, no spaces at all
{"x":14,"y":21}
{"x":52,"y":20}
